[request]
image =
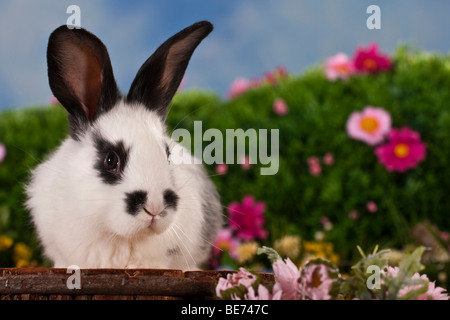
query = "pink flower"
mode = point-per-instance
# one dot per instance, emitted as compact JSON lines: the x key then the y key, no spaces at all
{"x":444,"y":235}
{"x":225,"y":242}
{"x":281,"y":72}
{"x":339,"y":66}
{"x":245,"y":163}
{"x":54,"y":101}
{"x":274,"y":76}
{"x":2,"y":152}
{"x":238,"y":87}
{"x":371,"y":206}
{"x":287,"y":275}
{"x":182,"y":84}
{"x":353,"y":215}
{"x":370,"y":125}
{"x":315,"y":283}
{"x":403,"y":151}
{"x":433,"y":292}
{"x":247,"y":218}
{"x":328,"y":159}
{"x":314,"y":166}
{"x":242,"y":277}
{"x":222,"y":169}
{"x":313,"y":160}
{"x":280,"y":107}
{"x":369,"y":60}
{"x":324,"y":220}
{"x":315,"y":170}
{"x":262,"y":294}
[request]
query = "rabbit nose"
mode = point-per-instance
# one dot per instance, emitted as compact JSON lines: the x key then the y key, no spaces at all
{"x":154,"y":209}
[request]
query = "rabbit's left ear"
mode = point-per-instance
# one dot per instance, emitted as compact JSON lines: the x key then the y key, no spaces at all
{"x":159,"y":77}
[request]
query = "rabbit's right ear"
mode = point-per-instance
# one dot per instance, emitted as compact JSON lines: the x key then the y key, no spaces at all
{"x":80,"y":76}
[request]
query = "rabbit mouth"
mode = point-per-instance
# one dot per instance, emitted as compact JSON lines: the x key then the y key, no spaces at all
{"x":157,"y":222}
{"x":162,"y":214}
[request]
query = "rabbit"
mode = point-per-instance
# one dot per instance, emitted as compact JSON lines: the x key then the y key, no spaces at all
{"x":110,"y":196}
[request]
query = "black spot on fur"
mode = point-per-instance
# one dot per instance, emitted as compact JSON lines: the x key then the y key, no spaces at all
{"x":170,"y":199}
{"x":174,"y":251}
{"x":135,"y":201}
{"x":167,"y":151}
{"x":105,"y":147}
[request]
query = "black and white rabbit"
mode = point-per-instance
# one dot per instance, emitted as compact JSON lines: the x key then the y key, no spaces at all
{"x":110,"y":196}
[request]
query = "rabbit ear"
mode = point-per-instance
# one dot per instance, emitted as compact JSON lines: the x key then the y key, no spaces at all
{"x":159,"y":77}
{"x":80,"y":75}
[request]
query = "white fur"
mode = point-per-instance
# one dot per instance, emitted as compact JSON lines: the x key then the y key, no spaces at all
{"x":82,"y":221}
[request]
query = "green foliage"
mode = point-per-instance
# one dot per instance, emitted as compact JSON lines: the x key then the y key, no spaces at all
{"x":416,"y":93}
{"x":29,"y":135}
{"x":389,"y":285}
{"x":272,"y":254}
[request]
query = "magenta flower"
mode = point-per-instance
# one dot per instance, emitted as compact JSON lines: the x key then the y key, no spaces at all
{"x":370,"y":125}
{"x":245,"y":163}
{"x":287,"y":275}
{"x":404,"y":150}
{"x":225,"y":242}
{"x":370,"y":60}
{"x":238,"y":87}
{"x":339,"y":66}
{"x":221,"y":169}
{"x":247,"y":218}
{"x":315,"y":283}
{"x":2,"y":152}
{"x":280,"y":107}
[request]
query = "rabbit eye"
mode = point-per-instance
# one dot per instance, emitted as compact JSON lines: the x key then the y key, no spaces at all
{"x":112,"y":161}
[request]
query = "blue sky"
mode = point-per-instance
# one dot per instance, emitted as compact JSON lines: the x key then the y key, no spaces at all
{"x":250,"y":36}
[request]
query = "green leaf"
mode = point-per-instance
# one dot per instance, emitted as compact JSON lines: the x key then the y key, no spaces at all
{"x":272,"y":254}
{"x":4,"y":216}
{"x":409,"y":265}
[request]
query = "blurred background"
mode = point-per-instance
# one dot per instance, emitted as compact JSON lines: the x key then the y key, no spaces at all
{"x":250,"y":37}
{"x":265,"y":66}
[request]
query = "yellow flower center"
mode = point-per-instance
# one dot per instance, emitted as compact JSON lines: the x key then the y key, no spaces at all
{"x":401,"y":150}
{"x":369,"y":124}
{"x":342,"y":68}
{"x":224,"y":245}
{"x":316,"y":279}
{"x":370,"y":64}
